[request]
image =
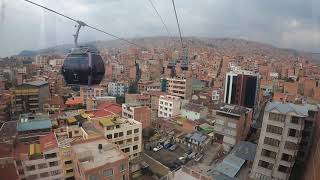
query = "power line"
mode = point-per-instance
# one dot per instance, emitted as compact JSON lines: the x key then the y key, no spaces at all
{"x":155,"y":9}
{"x":175,"y":12}
{"x":84,"y":24}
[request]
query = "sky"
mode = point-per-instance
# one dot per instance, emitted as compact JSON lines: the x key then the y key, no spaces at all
{"x":283,"y":23}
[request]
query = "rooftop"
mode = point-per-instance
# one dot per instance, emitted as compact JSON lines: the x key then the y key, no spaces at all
{"x":285,"y":108}
{"x":245,"y":150}
{"x":91,"y":157}
{"x":231,"y":109}
{"x":196,"y":136}
{"x":194,"y":107}
{"x":37,"y":83}
{"x":230,"y":165}
{"x":30,"y":122}
{"x":48,"y":142}
{"x":8,"y":130}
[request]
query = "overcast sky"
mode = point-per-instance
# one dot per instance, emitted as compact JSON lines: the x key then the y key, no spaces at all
{"x":284,"y":23}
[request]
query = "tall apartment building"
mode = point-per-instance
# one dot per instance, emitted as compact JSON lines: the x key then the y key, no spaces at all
{"x":38,"y":160}
{"x":181,"y":87}
{"x":137,"y":112}
{"x":29,"y":97}
{"x":127,"y":133}
{"x":279,"y":141}
{"x":232,"y":124}
{"x":169,"y":106}
{"x":99,"y":159}
{"x":117,"y":88}
{"x":241,"y":88}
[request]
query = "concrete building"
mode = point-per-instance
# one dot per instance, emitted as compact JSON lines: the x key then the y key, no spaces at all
{"x":127,"y":133}
{"x":169,"y":106}
{"x":99,"y":159}
{"x":117,"y":88}
{"x":137,"y":112}
{"x":279,"y":140}
{"x":216,"y":96}
{"x":142,"y":99}
{"x":87,"y":93}
{"x":30,"y":127}
{"x":29,"y":97}
{"x":194,"y":111}
{"x":232,"y":124}
{"x":180,"y":87}
{"x":241,"y":88}
{"x":39,"y":160}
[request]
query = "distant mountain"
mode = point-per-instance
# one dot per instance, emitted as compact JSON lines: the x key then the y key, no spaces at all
{"x":240,"y":46}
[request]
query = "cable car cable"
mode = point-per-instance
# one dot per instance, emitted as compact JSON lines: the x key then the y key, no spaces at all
{"x":81,"y":23}
{"x":175,"y":12}
{"x":164,"y":24}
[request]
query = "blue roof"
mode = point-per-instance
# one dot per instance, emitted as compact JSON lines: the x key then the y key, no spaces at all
{"x":230,"y":165}
{"x":34,"y":125}
{"x":286,"y":108}
{"x":245,"y":150}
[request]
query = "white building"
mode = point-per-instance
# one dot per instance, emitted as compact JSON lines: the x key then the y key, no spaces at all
{"x":117,"y":88}
{"x":125,"y":132}
{"x":279,"y":141}
{"x":194,"y":111}
{"x":169,"y":106}
{"x":215,"y":95}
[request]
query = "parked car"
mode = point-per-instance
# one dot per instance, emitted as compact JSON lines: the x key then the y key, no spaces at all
{"x":192,"y":155}
{"x":158,"y":148}
{"x":167,"y":145}
{"x":173,"y":147}
{"x":161,"y":141}
{"x":198,"y":157}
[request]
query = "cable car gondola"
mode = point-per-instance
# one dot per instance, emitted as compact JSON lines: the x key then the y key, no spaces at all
{"x":83,"y":66}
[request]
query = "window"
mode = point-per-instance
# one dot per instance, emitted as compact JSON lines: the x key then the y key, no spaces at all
{"x":56,"y":172}
{"x":117,"y":126}
{"x":127,"y":150}
{"x":31,"y":168}
{"x":42,"y":165}
{"x":283,"y":169}
{"x":286,"y":157}
{"x":290,"y":145}
{"x":120,"y":142}
{"x":269,"y":154}
{"x":108,"y":173}
{"x":274,"y":129}
{"x":129,"y":132}
{"x":109,"y":136}
{"x":68,"y":162}
{"x":43,"y":175}
{"x":76,"y":132}
{"x":277,"y":117}
{"x":122,"y":167}
{"x":49,"y":156}
{"x":21,"y":172}
{"x":136,"y":138}
{"x":135,"y":147}
{"x":18,"y":162}
{"x":115,"y":135}
{"x":294,"y":120}
{"x":120,"y":134}
{"x":265,"y":164}
{"x":129,"y":140}
{"x":293,"y":133}
{"x":54,"y":163}
{"x":271,"y":141}
{"x":69,"y":170}
{"x":136,"y":130}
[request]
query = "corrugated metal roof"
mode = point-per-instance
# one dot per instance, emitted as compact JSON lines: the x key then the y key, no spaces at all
{"x":37,"y":83}
{"x":245,"y":150}
{"x":285,"y":108}
{"x":33,"y":125}
{"x":230,"y":165}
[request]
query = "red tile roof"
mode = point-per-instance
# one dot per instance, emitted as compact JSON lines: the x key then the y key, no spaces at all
{"x":74,"y":101}
{"x":107,"y":109}
{"x":48,"y":142}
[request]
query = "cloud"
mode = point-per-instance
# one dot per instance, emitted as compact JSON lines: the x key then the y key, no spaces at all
{"x":282,"y":23}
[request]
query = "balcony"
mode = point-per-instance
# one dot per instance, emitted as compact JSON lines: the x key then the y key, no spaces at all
{"x":295,"y":126}
{"x":293,"y":139}
{"x":276,"y":123}
{"x":270,"y":148}
{"x":273,"y":136}
{"x":268,"y":159}
{"x":286,"y":163}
